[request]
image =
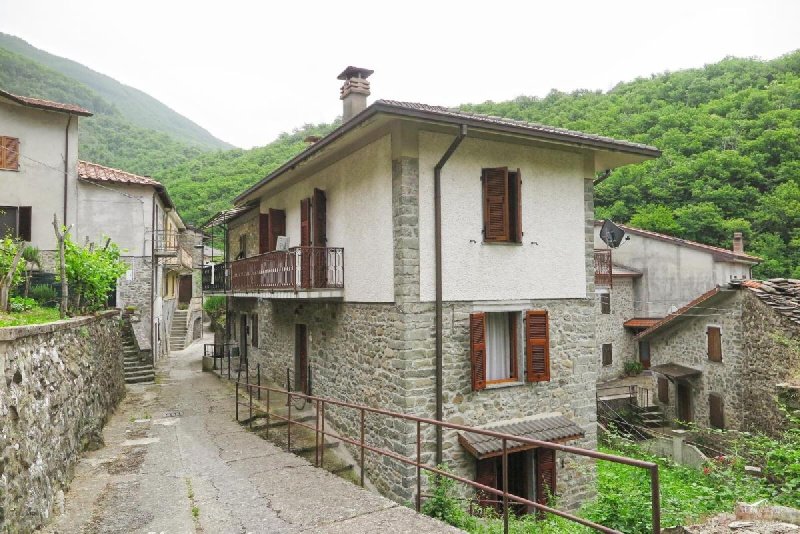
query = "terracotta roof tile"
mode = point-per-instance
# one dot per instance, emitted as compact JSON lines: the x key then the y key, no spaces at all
{"x":98,"y":173}
{"x":719,"y":252}
{"x":781,"y":294}
{"x":46,"y":104}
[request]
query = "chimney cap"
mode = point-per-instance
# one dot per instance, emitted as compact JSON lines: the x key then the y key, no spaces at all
{"x":354,"y":72}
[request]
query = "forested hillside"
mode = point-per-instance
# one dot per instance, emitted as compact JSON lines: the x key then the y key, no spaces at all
{"x":730,"y":136}
{"x":138,"y":108}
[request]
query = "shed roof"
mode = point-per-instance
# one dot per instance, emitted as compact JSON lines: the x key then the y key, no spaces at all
{"x":226,"y":216}
{"x":48,"y":105}
{"x":554,"y":428}
{"x":674,"y":370}
{"x":641,"y":322}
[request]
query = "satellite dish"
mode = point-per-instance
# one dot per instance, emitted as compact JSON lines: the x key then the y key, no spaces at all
{"x":282,"y":243}
{"x":611,"y":234}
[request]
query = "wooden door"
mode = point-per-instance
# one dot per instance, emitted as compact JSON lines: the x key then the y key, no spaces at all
{"x":644,"y":354}
{"x":301,"y":358}
{"x":185,"y":289}
{"x":684,"y":402}
{"x":519,"y":467}
{"x":545,"y":475}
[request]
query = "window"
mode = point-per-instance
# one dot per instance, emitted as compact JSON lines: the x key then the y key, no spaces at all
{"x":242,"y":247}
{"x":9,"y":153}
{"x":494,"y":343}
{"x":607,"y":354}
{"x":254,"y":322}
{"x":605,"y":303}
{"x":502,"y":205}
{"x":15,"y":221}
{"x":714,"y":340}
{"x":716,"y":415}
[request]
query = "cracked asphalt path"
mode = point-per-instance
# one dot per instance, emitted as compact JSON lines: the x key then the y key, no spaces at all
{"x":175,"y":461}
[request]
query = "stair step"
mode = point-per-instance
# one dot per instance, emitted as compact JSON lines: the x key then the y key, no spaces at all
{"x":312,"y":448}
{"x":143,"y":372}
{"x":138,"y":367}
{"x":140,"y":379}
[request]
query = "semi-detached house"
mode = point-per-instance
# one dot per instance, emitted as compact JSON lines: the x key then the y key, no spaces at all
{"x":432,"y":262}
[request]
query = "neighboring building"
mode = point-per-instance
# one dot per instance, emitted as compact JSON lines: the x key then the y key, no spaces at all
{"x":42,"y":177}
{"x":138,"y":215}
{"x":333,"y":274}
{"x":653,"y":275}
{"x":721,"y":360}
{"x":38,"y":156}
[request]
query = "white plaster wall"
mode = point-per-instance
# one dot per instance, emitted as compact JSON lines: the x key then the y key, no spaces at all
{"x":673,"y":275}
{"x":40,"y":183}
{"x":553,"y":217}
{"x":121,"y":212}
{"x":358,"y":190}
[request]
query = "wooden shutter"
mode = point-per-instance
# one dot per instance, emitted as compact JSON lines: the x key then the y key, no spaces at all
{"x":25,"y":223}
{"x":663,"y":390}
{"x":515,"y":190}
{"x":605,"y":303}
{"x":277,"y":226}
{"x":715,"y":411}
{"x":9,"y":153}
{"x":607,"y":354}
{"x":495,"y":204}
{"x":537,"y":346}
{"x":545,"y":474}
{"x":263,"y":233}
{"x":320,"y":214}
{"x":305,"y":222}
{"x":477,"y":341}
{"x":714,"y":343}
{"x":486,"y":474}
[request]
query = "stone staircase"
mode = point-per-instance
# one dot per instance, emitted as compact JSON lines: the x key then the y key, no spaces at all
{"x":136,"y":371}
{"x":651,"y":416}
{"x":177,"y":333}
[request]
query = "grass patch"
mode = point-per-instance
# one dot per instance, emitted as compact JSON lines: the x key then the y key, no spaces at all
{"x":35,"y":315}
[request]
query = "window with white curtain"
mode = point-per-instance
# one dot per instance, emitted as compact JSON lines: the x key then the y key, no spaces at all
{"x":501,"y":347}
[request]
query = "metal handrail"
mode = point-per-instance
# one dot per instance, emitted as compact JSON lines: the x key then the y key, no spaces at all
{"x":320,"y":433}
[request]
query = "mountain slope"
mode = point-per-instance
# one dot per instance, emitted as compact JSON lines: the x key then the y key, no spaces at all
{"x":139,"y":108}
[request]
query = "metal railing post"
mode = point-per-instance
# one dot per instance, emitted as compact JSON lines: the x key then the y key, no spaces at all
{"x":655,"y":493}
{"x":322,"y":449}
{"x":362,"y":447}
{"x":237,"y":401}
{"x":316,"y":435}
{"x":505,"y":486}
{"x":268,"y":408}
{"x":259,"y":381}
{"x":419,"y":469}
{"x":229,"y":363}
{"x":250,"y":401}
{"x":289,"y":422}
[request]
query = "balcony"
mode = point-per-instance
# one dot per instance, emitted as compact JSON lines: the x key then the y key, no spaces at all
{"x":165,"y":243}
{"x":602,"y":267}
{"x":300,"y":272}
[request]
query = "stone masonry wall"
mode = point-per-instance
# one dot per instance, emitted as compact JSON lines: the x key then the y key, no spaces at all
{"x":686,"y":344}
{"x":610,"y":329}
{"x":61,"y":383}
{"x":136,"y":292}
{"x":247,"y":225}
{"x":771,"y":344}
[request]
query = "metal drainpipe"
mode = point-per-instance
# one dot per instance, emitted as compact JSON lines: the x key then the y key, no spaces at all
{"x":66,"y":165}
{"x":437,"y":210}
{"x":153,"y":277}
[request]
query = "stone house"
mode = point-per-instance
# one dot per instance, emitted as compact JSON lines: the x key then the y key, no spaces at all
{"x":654,"y":274}
{"x":467,"y":294}
{"x":42,"y":176}
{"x":723,"y":359}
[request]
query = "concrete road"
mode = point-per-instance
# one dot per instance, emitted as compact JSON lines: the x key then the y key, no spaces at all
{"x":175,"y":461}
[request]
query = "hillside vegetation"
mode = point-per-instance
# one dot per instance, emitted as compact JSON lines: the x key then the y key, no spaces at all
{"x":138,"y":108}
{"x":730,"y":136}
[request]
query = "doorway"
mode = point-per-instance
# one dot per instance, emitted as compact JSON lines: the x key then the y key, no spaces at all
{"x":243,"y":328}
{"x":520,"y":475}
{"x":185,"y":289}
{"x":301,"y":358}
{"x":684,"y":402}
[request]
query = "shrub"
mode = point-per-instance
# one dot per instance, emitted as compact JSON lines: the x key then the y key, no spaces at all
{"x":633,"y":368}
{"x":91,"y":273}
{"x":21,"y":304}
{"x":43,"y":294}
{"x":214,"y":306}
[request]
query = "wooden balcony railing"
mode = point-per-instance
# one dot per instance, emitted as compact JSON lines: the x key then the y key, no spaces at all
{"x":295,"y":269}
{"x":602,"y":267}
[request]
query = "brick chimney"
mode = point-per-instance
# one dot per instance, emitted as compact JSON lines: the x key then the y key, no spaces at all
{"x":738,"y":243}
{"x":354,"y":92}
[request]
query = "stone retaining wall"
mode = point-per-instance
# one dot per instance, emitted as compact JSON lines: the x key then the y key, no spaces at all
{"x":61,"y":383}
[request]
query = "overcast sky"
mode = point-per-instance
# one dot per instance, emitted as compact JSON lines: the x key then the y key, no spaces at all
{"x":248,"y":70}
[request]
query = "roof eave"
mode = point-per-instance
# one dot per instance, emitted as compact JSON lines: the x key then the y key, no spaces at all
{"x":22,"y":102}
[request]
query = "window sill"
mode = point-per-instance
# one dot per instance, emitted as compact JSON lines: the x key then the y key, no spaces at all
{"x":11,"y":170}
{"x":507,"y":384}
{"x":503,"y":243}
